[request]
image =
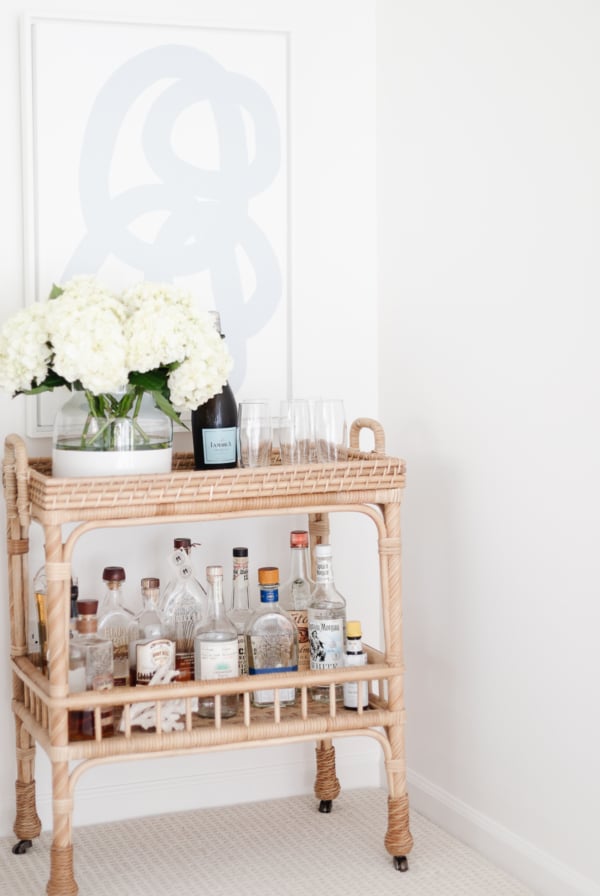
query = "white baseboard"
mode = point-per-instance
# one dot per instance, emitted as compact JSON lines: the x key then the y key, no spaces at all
{"x":157,"y":786}
{"x":539,"y":870}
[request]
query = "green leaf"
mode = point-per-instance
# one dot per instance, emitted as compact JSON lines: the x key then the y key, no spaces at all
{"x":167,"y":408}
{"x":150,"y":380}
{"x":56,"y":291}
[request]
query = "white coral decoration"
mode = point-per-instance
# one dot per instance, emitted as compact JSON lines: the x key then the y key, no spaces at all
{"x":144,"y":714}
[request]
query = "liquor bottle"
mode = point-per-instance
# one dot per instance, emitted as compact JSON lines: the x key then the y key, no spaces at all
{"x":152,"y":648}
{"x":216,"y":648}
{"x":183,"y":607}
{"x":90,"y":669}
{"x":296,"y":592}
{"x":41,"y":595}
{"x":356,"y":693}
{"x":240,"y":612}
{"x":214,"y":426}
{"x":326,"y":623}
{"x":272,"y":640}
{"x":116,"y":623}
{"x":74,"y":599}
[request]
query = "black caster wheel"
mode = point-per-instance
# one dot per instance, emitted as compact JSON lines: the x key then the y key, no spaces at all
{"x":325,"y":806}
{"x":400,"y":863}
{"x":21,"y":847}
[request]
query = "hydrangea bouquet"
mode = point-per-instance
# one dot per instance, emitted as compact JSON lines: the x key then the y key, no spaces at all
{"x":150,"y":338}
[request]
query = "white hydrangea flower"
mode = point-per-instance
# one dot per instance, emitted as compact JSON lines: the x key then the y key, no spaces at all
{"x":205,"y":370}
{"x":86,"y":331}
{"x":24,"y":350}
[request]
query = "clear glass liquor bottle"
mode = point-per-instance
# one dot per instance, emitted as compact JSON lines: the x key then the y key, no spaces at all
{"x":272,"y":640}
{"x":90,"y":669}
{"x":116,"y":623}
{"x":240,"y":612}
{"x":326,"y":623}
{"x":214,"y":425}
{"x":356,"y":693}
{"x":153,"y":647}
{"x":216,"y":648}
{"x":296,"y":592}
{"x":183,"y":607}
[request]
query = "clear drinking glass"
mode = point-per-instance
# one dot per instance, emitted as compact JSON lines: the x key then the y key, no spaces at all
{"x":254,"y":433}
{"x":294,"y":431}
{"x":330,"y":430}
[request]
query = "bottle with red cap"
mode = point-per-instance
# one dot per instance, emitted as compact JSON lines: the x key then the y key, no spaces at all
{"x":296,"y":592}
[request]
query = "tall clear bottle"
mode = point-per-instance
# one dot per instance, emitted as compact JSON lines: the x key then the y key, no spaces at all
{"x":326,"y":623}
{"x":296,"y":592}
{"x":216,"y":648}
{"x":153,"y":647}
{"x":183,"y":607}
{"x":116,"y":622}
{"x":272,"y":640}
{"x":90,"y":669}
{"x":214,"y":426}
{"x":240,"y":612}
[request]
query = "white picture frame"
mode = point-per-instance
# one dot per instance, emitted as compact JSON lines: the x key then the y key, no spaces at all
{"x":160,"y":151}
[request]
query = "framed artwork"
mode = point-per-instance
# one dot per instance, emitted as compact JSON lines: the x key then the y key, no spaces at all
{"x":160,"y":151}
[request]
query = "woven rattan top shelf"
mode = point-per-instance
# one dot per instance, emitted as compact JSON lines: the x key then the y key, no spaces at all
{"x":364,"y":478}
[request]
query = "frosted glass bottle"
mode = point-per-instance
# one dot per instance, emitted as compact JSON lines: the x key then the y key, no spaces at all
{"x":116,"y":623}
{"x":272,"y":640}
{"x":216,"y":648}
{"x":183,"y":607}
{"x":326,"y":623}
{"x":296,"y":592}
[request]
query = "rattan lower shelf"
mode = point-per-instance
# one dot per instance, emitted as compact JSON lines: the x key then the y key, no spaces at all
{"x":366,"y":482}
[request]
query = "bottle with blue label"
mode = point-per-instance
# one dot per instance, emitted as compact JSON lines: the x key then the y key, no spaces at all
{"x":214,"y":426}
{"x":272,"y":640}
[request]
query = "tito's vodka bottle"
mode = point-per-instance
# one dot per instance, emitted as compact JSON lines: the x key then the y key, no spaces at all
{"x":216,"y":648}
{"x":272,"y":640}
{"x":296,"y":592}
{"x":326,"y":623}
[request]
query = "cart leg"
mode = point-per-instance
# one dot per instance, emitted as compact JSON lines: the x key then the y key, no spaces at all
{"x":327,"y":786}
{"x":398,"y":839}
{"x":27,"y":824}
{"x":62,"y":881}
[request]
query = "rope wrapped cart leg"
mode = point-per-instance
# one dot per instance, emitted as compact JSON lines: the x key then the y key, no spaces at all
{"x":398,"y":839}
{"x":327,"y":786}
{"x":62,"y":881}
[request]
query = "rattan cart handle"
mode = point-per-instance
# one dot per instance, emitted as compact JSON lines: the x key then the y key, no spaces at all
{"x":375,"y":427}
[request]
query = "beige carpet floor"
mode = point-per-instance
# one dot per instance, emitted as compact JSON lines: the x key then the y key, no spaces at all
{"x":282,"y":847}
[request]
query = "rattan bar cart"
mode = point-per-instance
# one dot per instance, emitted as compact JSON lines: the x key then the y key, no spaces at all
{"x":368,"y":482}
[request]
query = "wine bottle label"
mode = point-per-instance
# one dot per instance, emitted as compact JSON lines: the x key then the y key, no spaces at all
{"x":219,"y":445}
{"x":216,"y":659}
{"x":326,"y":642}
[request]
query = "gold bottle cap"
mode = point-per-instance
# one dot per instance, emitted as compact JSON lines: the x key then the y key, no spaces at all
{"x":353,"y":629}
{"x":268,"y":575}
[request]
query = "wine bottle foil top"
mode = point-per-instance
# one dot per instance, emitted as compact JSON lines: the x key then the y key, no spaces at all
{"x":299,"y":538}
{"x":113,"y":574}
{"x":240,"y":552}
{"x":268,"y":575}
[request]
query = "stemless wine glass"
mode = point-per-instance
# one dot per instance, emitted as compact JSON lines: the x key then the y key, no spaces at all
{"x":254,"y":433}
{"x":330,"y":430}
{"x":294,"y":431}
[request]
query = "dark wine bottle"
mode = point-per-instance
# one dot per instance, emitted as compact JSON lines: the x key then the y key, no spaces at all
{"x":214,"y":427}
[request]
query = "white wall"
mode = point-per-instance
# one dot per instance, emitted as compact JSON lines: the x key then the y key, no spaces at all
{"x":489,"y":198}
{"x":333,"y":221}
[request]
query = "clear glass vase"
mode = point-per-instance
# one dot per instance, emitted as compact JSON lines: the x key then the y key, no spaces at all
{"x":85,"y":444}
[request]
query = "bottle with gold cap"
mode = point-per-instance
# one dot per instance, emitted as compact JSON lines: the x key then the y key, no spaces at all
{"x":272,"y":640}
{"x":356,"y":693}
